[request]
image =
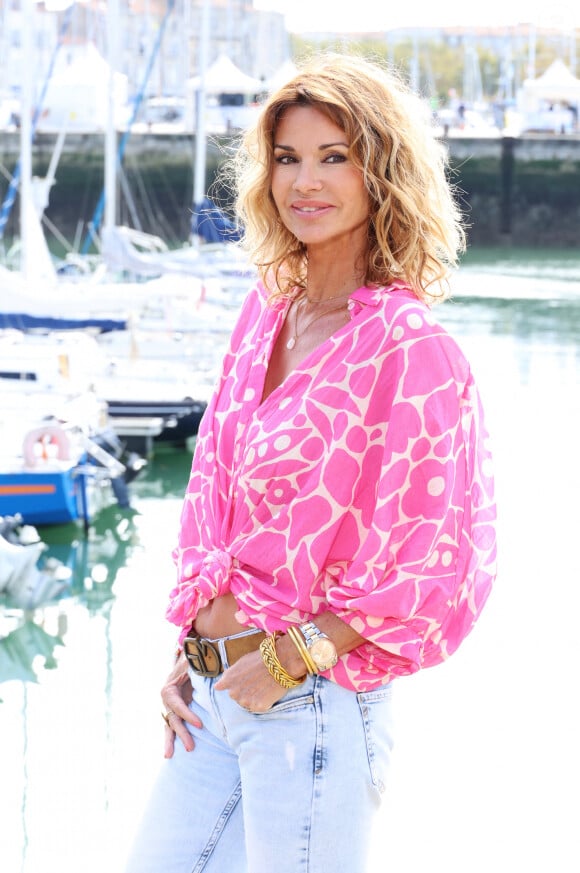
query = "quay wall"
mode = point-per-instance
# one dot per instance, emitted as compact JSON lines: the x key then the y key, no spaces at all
{"x":520,"y":191}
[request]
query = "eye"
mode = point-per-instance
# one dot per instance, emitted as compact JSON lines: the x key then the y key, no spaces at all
{"x":335,"y":158}
{"x":285,"y":159}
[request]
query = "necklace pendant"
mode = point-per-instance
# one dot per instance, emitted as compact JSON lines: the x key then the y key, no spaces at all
{"x":291,"y":343}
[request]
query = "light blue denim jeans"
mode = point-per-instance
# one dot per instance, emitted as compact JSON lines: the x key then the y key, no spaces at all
{"x":292,"y":790}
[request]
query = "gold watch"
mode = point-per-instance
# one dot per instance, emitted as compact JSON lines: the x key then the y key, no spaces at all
{"x":320,"y":647}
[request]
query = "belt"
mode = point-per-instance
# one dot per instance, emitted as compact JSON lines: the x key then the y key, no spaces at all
{"x":211,"y":657}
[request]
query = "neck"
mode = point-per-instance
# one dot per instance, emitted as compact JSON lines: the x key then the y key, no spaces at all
{"x":321,"y":292}
{"x":331,"y":281}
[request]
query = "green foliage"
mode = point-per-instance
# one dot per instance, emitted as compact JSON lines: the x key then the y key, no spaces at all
{"x":503,"y":58}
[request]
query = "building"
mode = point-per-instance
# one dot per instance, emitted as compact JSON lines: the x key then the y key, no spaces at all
{"x":157,"y":40}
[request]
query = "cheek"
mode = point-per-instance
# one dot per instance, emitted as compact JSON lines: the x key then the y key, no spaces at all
{"x":362,"y":199}
{"x":353,"y":182}
{"x":276,"y":189}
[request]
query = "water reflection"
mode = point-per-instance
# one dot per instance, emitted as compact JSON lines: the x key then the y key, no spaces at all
{"x":165,"y":476}
{"x":533,"y":264}
{"x":21,"y":648}
{"x":92,"y":563}
{"x":94,"y":560}
{"x":554,"y":321}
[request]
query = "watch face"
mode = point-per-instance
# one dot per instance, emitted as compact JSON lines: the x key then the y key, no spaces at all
{"x":323,"y":653}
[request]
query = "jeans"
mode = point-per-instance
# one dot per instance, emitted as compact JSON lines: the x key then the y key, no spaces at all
{"x":292,"y":790}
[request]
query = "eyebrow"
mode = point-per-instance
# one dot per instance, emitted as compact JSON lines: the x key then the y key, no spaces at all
{"x":321,"y":148}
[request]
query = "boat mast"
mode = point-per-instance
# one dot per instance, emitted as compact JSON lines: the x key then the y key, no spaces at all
{"x":200,"y":131}
{"x":113,"y":162}
{"x":26,"y":203}
{"x":31,"y":119}
{"x":110,"y":217}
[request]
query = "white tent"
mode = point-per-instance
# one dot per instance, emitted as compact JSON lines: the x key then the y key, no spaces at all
{"x":556,"y":85}
{"x":282,"y":75}
{"x":77,"y":95}
{"x":229,"y":97}
{"x":223,"y":77}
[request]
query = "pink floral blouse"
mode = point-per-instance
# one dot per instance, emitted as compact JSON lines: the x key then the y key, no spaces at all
{"x":361,"y":485}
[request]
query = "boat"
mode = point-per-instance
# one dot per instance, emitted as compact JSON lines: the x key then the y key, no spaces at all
{"x":53,"y":471}
{"x":152,"y":399}
{"x":141,"y":398}
{"x":135,"y":278}
{"x":60,"y":458}
{"x":137,"y":287}
{"x":142,"y":423}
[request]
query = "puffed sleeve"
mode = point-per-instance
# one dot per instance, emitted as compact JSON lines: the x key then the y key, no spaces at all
{"x":425,"y":559}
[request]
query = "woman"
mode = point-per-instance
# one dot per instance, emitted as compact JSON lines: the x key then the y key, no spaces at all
{"x":337,"y":530}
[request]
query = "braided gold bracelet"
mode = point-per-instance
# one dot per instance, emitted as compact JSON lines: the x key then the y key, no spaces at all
{"x":298,"y":641}
{"x":273,"y":665}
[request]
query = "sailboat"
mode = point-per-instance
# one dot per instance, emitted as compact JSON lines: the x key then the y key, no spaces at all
{"x":169,"y":295}
{"x":55,"y":457}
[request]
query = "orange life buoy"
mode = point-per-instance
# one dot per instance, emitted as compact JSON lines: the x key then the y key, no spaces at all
{"x":46,"y":443}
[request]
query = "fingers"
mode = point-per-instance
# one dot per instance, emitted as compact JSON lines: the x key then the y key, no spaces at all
{"x":250,"y":685}
{"x":176,"y":699}
{"x":175,"y":727}
{"x":176,"y":696}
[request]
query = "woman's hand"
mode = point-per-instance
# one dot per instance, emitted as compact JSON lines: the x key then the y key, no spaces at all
{"x":250,"y":685}
{"x":176,"y":695}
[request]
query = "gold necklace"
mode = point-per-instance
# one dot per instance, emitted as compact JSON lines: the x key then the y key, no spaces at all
{"x":296,"y":336}
{"x":324,"y":299}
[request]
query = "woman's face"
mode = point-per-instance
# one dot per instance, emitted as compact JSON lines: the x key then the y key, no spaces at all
{"x":319,"y":193}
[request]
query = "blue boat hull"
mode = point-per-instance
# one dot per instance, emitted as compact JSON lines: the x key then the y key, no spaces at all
{"x":44,"y":497}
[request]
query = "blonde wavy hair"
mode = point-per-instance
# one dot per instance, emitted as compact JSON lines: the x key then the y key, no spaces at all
{"x":415,"y":226}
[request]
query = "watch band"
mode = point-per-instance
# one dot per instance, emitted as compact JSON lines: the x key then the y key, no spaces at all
{"x":310,"y":632}
{"x":319,"y":645}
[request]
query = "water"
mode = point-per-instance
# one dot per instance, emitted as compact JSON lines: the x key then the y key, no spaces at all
{"x":487,"y":761}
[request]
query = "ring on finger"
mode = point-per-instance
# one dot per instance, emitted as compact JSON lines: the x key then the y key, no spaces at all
{"x":166,"y":715}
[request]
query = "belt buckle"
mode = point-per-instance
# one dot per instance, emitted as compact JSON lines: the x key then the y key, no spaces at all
{"x":198,"y":659}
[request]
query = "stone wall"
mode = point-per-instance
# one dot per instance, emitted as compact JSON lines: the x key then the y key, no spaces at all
{"x":520,"y":191}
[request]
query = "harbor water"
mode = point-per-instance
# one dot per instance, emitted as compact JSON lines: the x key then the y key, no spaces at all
{"x":486,"y":764}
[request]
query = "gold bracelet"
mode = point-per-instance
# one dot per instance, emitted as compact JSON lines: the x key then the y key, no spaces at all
{"x":298,"y":641}
{"x":273,"y":665}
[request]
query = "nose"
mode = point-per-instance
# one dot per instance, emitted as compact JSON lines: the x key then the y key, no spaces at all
{"x":307,"y":178}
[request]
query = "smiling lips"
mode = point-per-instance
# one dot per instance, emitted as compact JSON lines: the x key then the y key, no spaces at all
{"x":309,"y":207}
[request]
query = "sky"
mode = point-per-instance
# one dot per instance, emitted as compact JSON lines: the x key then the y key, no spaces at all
{"x":365,"y":15}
